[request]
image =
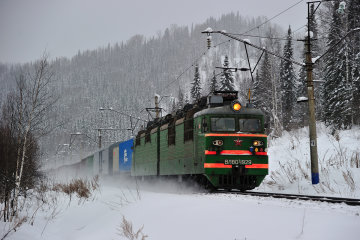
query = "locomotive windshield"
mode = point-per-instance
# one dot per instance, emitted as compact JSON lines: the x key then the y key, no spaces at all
{"x":250,"y":125}
{"x":223,"y":124}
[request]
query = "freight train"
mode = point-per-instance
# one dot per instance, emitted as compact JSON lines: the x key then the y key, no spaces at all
{"x":217,"y":142}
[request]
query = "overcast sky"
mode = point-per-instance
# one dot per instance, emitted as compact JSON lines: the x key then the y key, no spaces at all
{"x":62,"y":27}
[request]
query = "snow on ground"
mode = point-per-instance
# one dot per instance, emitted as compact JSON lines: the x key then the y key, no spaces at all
{"x":339,"y":163}
{"x":179,"y":213}
{"x":167,"y":210}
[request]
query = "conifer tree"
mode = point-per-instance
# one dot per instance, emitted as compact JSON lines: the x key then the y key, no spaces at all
{"x":196,"y":88}
{"x":180,"y":103}
{"x":276,"y":103}
{"x":173,"y":105}
{"x":287,"y":78}
{"x":213,"y":83}
{"x":337,"y":94}
{"x":354,"y":56}
{"x":187,"y":99}
{"x":262,"y":88}
{"x":227,"y":79}
{"x":301,"y":109}
{"x":256,"y":91}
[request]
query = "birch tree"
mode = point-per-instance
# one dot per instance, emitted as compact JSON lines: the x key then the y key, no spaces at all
{"x":33,"y":102}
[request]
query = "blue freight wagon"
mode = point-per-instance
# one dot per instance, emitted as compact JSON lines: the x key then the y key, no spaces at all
{"x":120,"y":157}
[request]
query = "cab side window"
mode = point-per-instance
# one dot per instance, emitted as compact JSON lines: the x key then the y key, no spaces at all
{"x":147,"y":137}
{"x":188,"y":129}
{"x":204,"y":125}
{"x":171,"y":134}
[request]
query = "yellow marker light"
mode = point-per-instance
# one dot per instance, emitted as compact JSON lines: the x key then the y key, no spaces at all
{"x":236,"y":106}
{"x":256,"y":149}
{"x":257,"y":143}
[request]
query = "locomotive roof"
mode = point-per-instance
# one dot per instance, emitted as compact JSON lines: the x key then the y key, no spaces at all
{"x":226,"y":110}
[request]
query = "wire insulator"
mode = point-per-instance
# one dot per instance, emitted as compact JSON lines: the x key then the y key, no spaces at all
{"x":208,"y":42}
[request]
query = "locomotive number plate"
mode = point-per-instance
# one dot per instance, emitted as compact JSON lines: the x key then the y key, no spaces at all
{"x":237,"y":162}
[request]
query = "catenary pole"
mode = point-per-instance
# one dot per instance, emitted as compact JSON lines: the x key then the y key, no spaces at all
{"x":311,"y":104}
{"x":310,"y":89}
{"x":99,"y":135}
{"x":157,"y":110}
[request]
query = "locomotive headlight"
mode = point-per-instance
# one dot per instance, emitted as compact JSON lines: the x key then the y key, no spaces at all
{"x":258,"y":143}
{"x":218,"y":142}
{"x":236,"y":106}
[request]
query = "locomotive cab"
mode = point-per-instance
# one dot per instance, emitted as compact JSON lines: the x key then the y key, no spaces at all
{"x":234,"y":143}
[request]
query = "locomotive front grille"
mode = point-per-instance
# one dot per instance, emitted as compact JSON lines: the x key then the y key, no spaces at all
{"x":227,"y":180}
{"x":241,"y":182}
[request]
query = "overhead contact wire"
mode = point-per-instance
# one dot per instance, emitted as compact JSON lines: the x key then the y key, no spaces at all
{"x":274,"y":17}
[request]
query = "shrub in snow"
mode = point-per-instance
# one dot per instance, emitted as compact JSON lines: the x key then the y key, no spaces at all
{"x":126,"y":230}
{"x":82,"y":187}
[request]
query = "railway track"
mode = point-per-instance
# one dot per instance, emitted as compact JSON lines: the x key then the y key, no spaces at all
{"x":348,"y":201}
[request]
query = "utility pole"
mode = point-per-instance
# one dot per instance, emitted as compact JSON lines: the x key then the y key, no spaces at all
{"x":311,"y":101}
{"x":157,"y":109}
{"x":310,"y":87}
{"x":99,"y":136}
{"x":106,"y":129}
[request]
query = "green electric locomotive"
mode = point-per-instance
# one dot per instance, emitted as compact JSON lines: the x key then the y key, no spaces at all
{"x":216,"y":141}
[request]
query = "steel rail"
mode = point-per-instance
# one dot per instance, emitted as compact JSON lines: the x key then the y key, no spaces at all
{"x":348,"y":201}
